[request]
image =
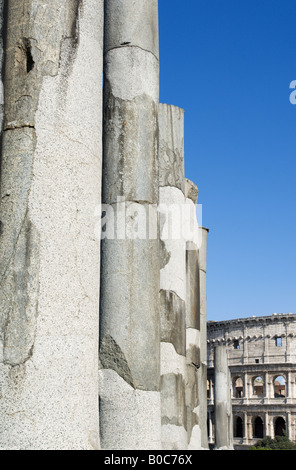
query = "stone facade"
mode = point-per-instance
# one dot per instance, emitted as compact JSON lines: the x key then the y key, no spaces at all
{"x":262,"y":360}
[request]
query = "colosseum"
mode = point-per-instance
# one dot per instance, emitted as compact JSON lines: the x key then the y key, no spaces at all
{"x":262,"y":360}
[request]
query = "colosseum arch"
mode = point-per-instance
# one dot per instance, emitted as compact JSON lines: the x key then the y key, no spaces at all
{"x":258,"y":427}
{"x":279,"y":426}
{"x":279,"y":386}
{"x":238,"y":387}
{"x":238,"y":426}
{"x":258,"y":386}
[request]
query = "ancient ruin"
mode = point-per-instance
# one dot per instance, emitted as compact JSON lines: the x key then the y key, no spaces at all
{"x":102,"y":320}
{"x":261,"y":356}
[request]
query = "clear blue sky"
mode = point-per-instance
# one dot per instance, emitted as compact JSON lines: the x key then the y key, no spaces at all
{"x":229,"y":64}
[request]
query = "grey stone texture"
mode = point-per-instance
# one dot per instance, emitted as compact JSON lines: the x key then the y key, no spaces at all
{"x":192,"y":289}
{"x":172,"y":320}
{"x":191,"y":191}
{"x":171,"y":146}
{"x":202,"y":372}
{"x":1,"y":65}
{"x":193,"y":340}
{"x":223,"y":415}
{"x":132,"y":24}
{"x":196,"y":360}
{"x":172,"y":278}
{"x":50,"y":187}
{"x":129,"y":307}
{"x":102,"y":324}
{"x":131,"y":78}
{"x":128,"y":414}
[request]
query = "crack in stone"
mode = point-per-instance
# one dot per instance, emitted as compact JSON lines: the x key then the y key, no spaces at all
{"x":128,"y":44}
{"x":112,"y":357}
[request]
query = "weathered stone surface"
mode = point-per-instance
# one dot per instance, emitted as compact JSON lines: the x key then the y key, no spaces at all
{"x":202,"y":373}
{"x":127,"y":25}
{"x":1,"y":66}
{"x":171,"y":206}
{"x":192,"y":406}
{"x":128,"y":286}
{"x":172,"y":277}
{"x":50,"y":186}
{"x":193,"y":340}
{"x":20,"y":254}
{"x":173,"y":412}
{"x":111,"y":357}
{"x":135,"y":413}
{"x":129,"y":306}
{"x":173,"y":437}
{"x":191,"y":191}
{"x":130,"y":134}
{"x":223,"y":439}
{"x":203,"y":289}
{"x":173,"y":406}
{"x":173,"y":400}
{"x":172,"y":320}
{"x":202,"y":395}
{"x":171,"y":146}
{"x":192,"y":290}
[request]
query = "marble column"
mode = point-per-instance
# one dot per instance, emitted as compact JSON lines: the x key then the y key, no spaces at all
{"x":223,"y":415}
{"x":202,"y":372}
{"x":50,"y":188}
{"x":172,"y":277}
{"x":1,"y":65}
{"x":129,"y":378}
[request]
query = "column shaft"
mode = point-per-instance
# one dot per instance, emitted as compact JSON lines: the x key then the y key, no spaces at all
{"x":50,"y":187}
{"x":223,"y":431}
{"x":172,"y":278}
{"x":129,"y":313}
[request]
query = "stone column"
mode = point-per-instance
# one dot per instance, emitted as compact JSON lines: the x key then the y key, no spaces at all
{"x":289,"y":395}
{"x":196,"y":392}
{"x":1,"y":66}
{"x":50,"y":187}
{"x":172,"y":278}
{"x":202,"y":372}
{"x":267,"y":424}
{"x":269,"y":388}
{"x":229,"y":412}
{"x":210,"y":421}
{"x":246,"y":436}
{"x":129,"y":314}
{"x":266,"y":340}
{"x":223,"y":437}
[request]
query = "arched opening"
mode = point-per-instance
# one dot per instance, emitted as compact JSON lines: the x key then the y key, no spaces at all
{"x":258,"y":428}
{"x":238,"y":388}
{"x":279,"y":426}
{"x":279,"y":386}
{"x":258,"y":386}
{"x":238,"y":427}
